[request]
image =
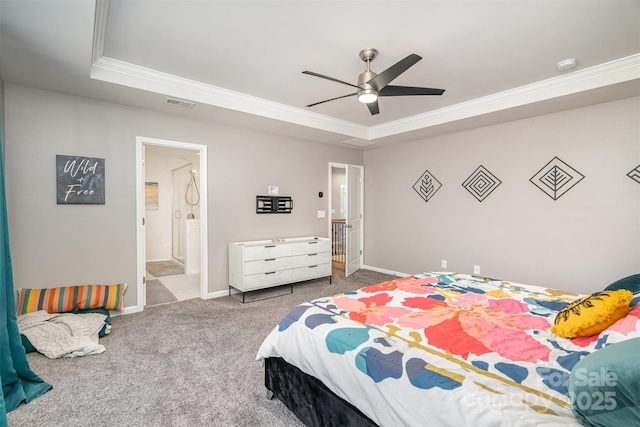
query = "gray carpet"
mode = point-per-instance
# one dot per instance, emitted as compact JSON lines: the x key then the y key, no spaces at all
{"x":164,"y":268}
{"x":158,"y":293}
{"x":190,"y":363}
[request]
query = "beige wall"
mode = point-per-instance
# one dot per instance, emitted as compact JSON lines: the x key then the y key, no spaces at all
{"x":58,"y":245}
{"x":584,"y":240}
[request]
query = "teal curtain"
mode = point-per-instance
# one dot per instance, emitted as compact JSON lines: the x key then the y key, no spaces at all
{"x":19,"y":382}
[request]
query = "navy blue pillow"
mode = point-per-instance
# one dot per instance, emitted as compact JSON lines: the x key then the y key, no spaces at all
{"x":630,"y":283}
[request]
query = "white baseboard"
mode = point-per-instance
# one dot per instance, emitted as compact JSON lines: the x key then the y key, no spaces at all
{"x":125,"y":310}
{"x":384,"y":270}
{"x":217,"y":294}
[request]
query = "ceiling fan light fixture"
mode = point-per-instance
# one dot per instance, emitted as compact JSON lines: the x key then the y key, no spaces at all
{"x":367,"y":96}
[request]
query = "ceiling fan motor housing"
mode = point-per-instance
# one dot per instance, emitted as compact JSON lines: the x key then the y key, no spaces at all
{"x":365,"y":88}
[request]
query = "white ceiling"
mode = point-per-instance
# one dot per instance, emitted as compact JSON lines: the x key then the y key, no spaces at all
{"x":242,"y":61}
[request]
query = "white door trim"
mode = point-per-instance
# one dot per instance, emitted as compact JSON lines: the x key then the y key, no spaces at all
{"x":141,"y":141}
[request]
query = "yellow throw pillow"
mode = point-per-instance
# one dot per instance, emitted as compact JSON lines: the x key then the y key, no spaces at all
{"x":592,"y":314}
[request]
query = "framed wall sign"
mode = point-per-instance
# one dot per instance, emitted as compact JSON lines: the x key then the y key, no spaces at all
{"x":80,"y":180}
{"x":151,"y":195}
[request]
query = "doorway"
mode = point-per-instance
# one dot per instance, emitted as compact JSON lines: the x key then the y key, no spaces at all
{"x":338,"y":210}
{"x":172,"y":221}
{"x":346,"y":189}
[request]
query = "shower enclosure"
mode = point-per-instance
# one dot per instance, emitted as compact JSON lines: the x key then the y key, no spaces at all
{"x":185,"y":208}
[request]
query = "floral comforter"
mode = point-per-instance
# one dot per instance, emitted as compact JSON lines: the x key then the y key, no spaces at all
{"x":442,"y":349}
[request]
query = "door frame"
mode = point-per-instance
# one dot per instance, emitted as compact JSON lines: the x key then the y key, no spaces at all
{"x":141,"y":142}
{"x":330,"y":196}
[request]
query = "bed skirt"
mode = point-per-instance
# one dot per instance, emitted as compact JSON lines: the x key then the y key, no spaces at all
{"x":308,"y":398}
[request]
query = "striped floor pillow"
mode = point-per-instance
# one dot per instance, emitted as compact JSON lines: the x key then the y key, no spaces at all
{"x":71,"y":298}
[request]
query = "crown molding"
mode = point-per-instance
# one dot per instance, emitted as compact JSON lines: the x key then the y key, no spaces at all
{"x":99,"y":29}
{"x":123,"y":73}
{"x":131,"y":75}
{"x":617,"y":71}
{"x":126,"y":74}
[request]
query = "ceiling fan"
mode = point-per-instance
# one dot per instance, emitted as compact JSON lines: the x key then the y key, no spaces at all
{"x":371,"y":85}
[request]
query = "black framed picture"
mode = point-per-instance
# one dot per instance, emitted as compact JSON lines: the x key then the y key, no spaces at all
{"x":80,"y":180}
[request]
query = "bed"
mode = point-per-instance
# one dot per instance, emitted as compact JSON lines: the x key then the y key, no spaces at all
{"x":440,"y":349}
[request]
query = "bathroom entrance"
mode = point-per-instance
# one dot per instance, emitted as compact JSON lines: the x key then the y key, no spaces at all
{"x":172,"y":211}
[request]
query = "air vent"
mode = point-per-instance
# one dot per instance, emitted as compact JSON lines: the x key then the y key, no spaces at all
{"x":179,"y":102}
{"x":357,"y":142}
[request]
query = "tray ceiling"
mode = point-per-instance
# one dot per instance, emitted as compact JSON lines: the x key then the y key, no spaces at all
{"x":242,"y":62}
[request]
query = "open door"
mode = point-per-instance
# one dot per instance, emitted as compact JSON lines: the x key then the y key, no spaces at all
{"x":354,"y":219}
{"x":143,"y":155}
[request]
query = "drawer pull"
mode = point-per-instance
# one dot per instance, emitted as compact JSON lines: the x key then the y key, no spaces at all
{"x":312,"y":266}
{"x":312,"y":243}
{"x":313,"y":254}
{"x":270,"y":246}
{"x":271,"y":272}
{"x":270,"y":259}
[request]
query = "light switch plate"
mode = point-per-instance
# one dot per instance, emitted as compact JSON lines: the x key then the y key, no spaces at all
{"x":321,"y":214}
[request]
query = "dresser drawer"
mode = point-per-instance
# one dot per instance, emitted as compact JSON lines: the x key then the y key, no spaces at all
{"x":265,"y":280}
{"x":310,"y":259}
{"x":266,"y":251}
{"x":311,"y":272}
{"x":268,"y":265}
{"x":312,"y":247}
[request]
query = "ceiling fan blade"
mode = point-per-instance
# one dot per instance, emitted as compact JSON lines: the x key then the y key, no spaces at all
{"x":388,"y":75}
{"x":332,"y":99}
{"x":373,"y":107}
{"x":311,"y":73}
{"x":408,"y":91}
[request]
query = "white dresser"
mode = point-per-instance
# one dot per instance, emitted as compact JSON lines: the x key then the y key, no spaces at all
{"x":265,"y":263}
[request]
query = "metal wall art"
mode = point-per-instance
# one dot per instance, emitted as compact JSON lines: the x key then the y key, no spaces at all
{"x":427,"y":186}
{"x":556,"y":178}
{"x":635,"y":174}
{"x":481,"y":183}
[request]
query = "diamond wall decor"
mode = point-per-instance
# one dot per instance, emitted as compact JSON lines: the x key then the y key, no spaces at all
{"x":481,"y":183}
{"x":556,"y":178}
{"x":635,"y":174}
{"x":427,"y":186}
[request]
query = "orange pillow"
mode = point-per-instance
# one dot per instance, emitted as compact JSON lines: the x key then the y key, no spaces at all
{"x":592,"y":314}
{"x":71,"y":298}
